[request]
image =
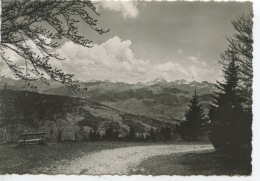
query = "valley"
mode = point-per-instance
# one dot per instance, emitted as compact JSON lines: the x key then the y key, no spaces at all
{"x":142,"y":106}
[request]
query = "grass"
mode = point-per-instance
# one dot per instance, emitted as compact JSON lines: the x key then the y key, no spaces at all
{"x":200,"y":163}
{"x":36,"y":159}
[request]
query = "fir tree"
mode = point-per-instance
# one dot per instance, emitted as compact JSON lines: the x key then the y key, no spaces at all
{"x":191,"y":130}
{"x":231,"y":112}
{"x":241,"y":48}
{"x":230,"y":124}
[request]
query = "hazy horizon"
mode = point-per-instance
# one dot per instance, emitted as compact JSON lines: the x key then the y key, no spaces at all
{"x":106,"y":80}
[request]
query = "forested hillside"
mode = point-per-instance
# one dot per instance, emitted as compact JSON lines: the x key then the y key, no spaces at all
{"x":67,"y":118}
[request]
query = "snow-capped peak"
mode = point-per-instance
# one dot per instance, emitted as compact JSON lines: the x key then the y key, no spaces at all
{"x":194,"y":83}
{"x":157,"y":81}
{"x":182,"y":81}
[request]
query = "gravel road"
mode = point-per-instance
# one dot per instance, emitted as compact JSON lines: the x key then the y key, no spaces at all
{"x":121,"y":161}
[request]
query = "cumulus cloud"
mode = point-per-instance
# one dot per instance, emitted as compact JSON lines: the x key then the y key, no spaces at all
{"x":194,"y":59}
{"x":15,"y":58}
{"x":176,"y":71}
{"x":204,"y":64}
{"x":197,"y":60}
{"x":127,"y":8}
{"x":4,"y":70}
{"x":114,"y":60}
{"x":171,"y":67}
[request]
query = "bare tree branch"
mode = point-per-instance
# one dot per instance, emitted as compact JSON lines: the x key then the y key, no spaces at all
{"x":23,"y":21}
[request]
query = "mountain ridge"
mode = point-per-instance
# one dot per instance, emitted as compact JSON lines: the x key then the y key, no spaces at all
{"x":142,"y":105}
{"x":53,"y":84}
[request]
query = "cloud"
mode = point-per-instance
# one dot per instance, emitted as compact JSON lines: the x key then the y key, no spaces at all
{"x":4,"y":69}
{"x":197,"y":60}
{"x":174,"y":71}
{"x":171,"y":67}
{"x":204,"y":64}
{"x":18,"y":60}
{"x":112,"y":60}
{"x":180,"y":51}
{"x":127,"y":8}
{"x":15,"y":58}
{"x":194,"y":59}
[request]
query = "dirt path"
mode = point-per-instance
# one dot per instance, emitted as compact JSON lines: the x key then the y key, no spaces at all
{"x":121,"y":160}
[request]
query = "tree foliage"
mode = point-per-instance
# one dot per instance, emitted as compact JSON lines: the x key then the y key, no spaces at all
{"x":25,"y":110}
{"x":111,"y":132}
{"x":131,"y":134}
{"x":7,"y":104}
{"x":94,"y":135}
{"x":166,"y":133}
{"x":231,"y":112}
{"x":43,"y":24}
{"x":241,"y":48}
{"x":9,"y":111}
{"x":191,"y":129}
{"x":226,"y":113}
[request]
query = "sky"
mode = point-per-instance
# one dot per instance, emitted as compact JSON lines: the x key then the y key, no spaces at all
{"x":148,"y":40}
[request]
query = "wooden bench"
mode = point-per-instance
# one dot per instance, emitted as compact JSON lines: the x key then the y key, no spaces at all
{"x":32,"y":138}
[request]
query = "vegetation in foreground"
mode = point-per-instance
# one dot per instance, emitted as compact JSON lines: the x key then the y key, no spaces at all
{"x":200,"y":163}
{"x":230,"y":114}
{"x":35,"y":159}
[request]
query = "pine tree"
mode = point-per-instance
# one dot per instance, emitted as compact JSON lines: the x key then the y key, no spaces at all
{"x":191,"y":130}
{"x":241,"y":48}
{"x":231,"y":112}
{"x":230,"y":124}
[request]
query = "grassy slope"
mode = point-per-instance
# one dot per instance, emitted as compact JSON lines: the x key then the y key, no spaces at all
{"x":157,"y":101}
{"x":41,"y":107}
{"x":200,"y":163}
{"x":37,"y":159}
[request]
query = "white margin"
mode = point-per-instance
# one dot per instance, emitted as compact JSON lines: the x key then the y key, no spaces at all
{"x":256,"y":130}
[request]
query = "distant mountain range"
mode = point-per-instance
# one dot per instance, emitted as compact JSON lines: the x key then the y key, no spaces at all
{"x":157,"y":99}
{"x":142,"y":106}
{"x":105,"y":84}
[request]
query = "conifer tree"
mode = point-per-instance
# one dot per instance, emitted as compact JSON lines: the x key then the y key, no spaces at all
{"x":191,"y":130}
{"x":241,"y":48}
{"x":231,"y":112}
{"x":230,"y":123}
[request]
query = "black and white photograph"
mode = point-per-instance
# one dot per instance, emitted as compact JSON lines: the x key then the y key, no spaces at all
{"x":126,"y":88}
